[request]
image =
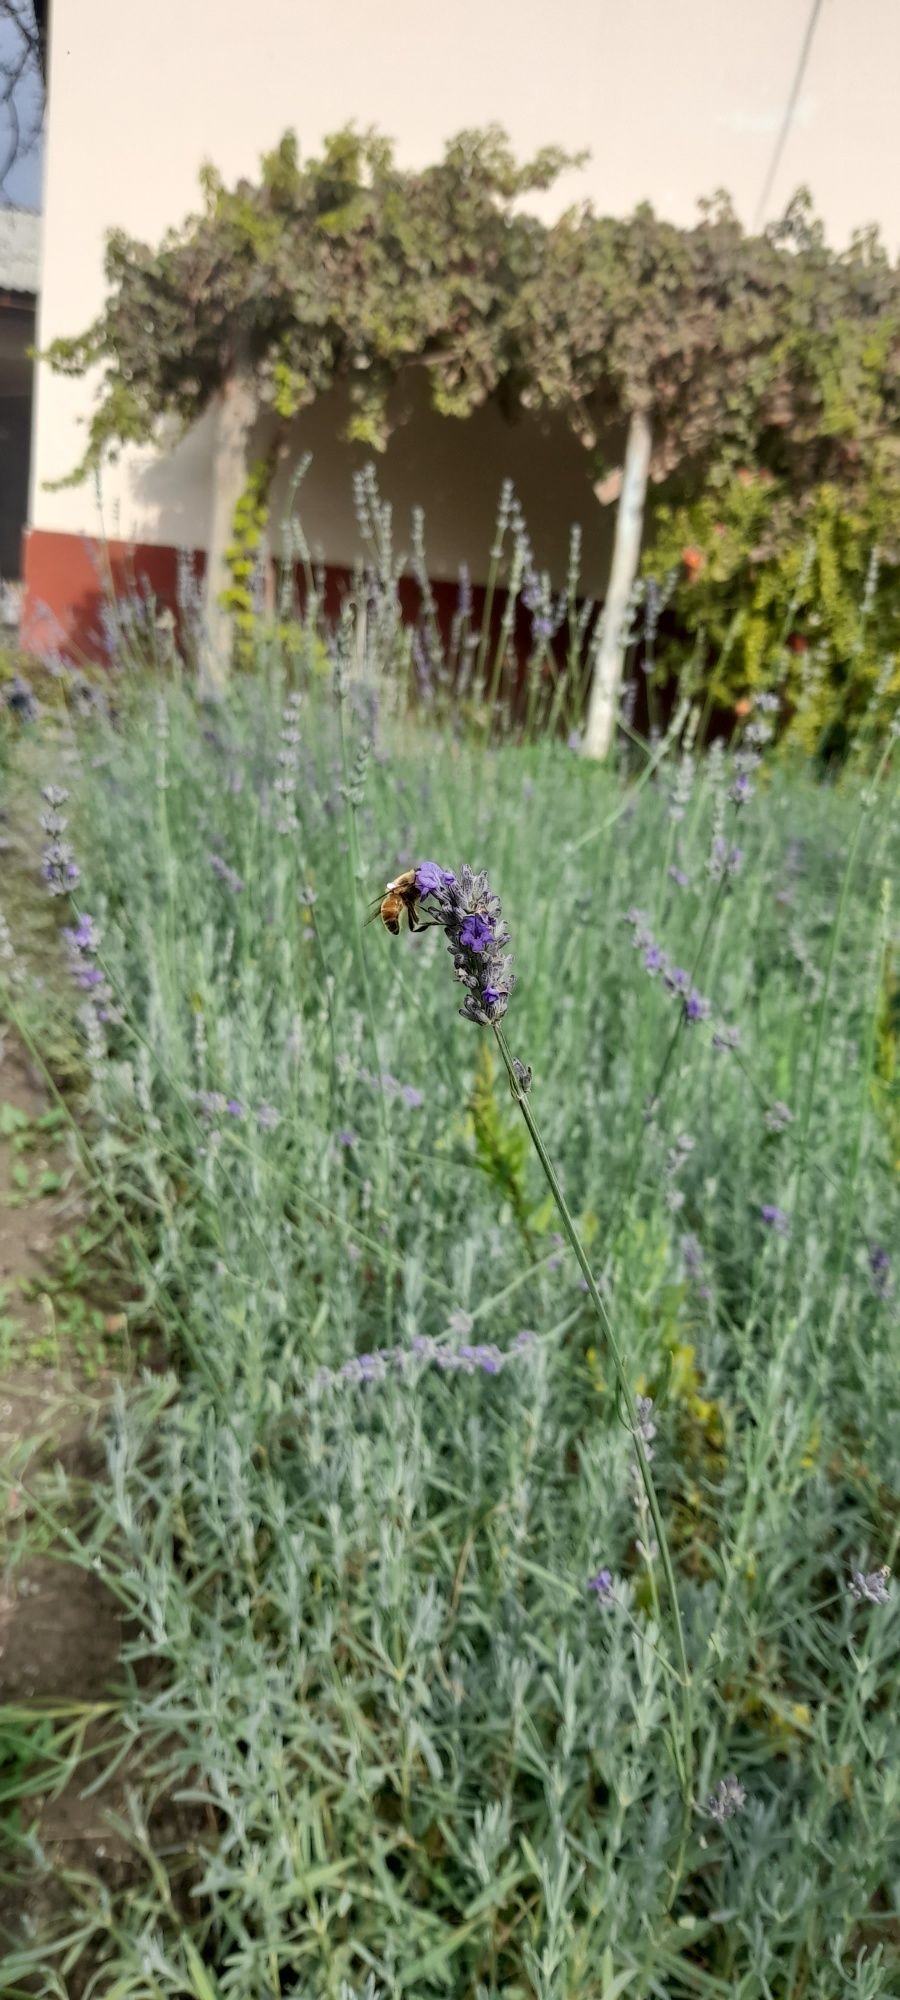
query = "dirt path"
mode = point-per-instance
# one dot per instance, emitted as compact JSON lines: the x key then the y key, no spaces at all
{"x":59,"y":1630}
{"x":62,"y":1331}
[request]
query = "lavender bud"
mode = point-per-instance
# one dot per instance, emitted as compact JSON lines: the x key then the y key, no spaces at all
{"x":728,"y":1799}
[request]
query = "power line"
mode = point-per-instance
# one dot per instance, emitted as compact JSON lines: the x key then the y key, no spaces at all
{"x":789,"y":110}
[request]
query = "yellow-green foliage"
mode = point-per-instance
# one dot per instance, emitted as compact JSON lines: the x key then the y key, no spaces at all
{"x":502,"y":1151}
{"x":347,"y":267}
{"x":251,"y":519}
{"x":501,"y":1142}
{"x":805,"y":602}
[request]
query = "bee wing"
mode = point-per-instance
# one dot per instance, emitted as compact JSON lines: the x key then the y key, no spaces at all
{"x":375,"y":910}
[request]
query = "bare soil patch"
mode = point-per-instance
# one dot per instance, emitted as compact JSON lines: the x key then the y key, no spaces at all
{"x":59,"y":1627}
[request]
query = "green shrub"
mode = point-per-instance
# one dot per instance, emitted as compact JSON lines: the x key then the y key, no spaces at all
{"x":807,"y":601}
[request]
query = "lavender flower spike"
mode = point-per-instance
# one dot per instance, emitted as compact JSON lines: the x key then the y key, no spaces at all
{"x":880,"y":1270}
{"x":603,"y":1585}
{"x":728,"y":1798}
{"x":645,"y":1425}
{"x":60,"y":871}
{"x":870,"y":1587}
{"x":472,"y":921}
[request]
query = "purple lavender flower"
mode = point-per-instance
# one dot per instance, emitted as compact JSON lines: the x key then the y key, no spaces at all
{"x":83,"y":936}
{"x":412,"y":1097}
{"x":695,"y":1007}
{"x":870,"y":1587}
{"x":745,"y":762}
{"x":476,"y":933}
{"x":678,"y":876}
{"x":346,"y":1138}
{"x":267,"y":1117}
{"x":728,"y":1798}
{"x":366,"y":1368}
{"x":726,"y":1038}
{"x":779,"y":1116}
{"x":655,"y":960}
{"x":88,"y":977}
{"x":466,"y":1358}
{"x":430,"y":879}
{"x":678,"y":980}
{"x":604,"y":1586}
{"x":58,"y":868}
{"x":472,"y":921}
{"x":880,"y":1270}
{"x":691,"y":1254}
{"x":775,"y":1218}
{"x":234,"y":1108}
{"x":82,"y":941}
{"x":724,"y":860}
{"x":225,"y":874}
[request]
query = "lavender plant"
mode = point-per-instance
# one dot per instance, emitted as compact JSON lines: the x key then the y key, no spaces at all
{"x":471,"y":918}
{"x":398,"y":1634}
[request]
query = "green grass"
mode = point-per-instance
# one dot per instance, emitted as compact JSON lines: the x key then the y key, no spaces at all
{"x":360,"y":1624}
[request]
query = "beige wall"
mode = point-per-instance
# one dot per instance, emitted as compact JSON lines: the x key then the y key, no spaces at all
{"x":672,"y":97}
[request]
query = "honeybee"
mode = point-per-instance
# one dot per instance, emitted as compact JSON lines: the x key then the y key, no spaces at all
{"x":398,"y":896}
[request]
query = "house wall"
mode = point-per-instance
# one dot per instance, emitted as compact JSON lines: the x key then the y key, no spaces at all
{"x":673,"y":98}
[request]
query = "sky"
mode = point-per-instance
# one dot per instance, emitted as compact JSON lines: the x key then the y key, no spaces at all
{"x":693,"y":89}
{"x":23,"y":185}
{"x":669,"y":99}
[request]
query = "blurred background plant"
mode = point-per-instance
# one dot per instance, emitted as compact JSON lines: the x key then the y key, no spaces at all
{"x":752,"y":377}
{"x":814,"y":615}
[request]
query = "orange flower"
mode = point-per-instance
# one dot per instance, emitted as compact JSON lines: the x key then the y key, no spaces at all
{"x":743,"y":706}
{"x":692,"y":560}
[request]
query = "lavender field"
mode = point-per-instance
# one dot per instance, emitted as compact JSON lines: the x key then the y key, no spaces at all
{"x":502,"y":1461}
